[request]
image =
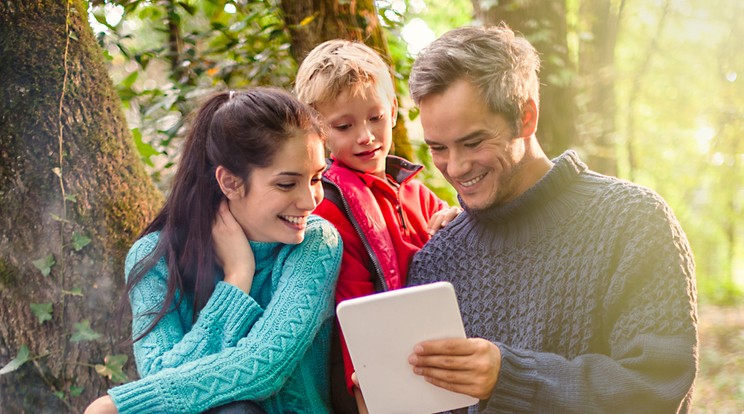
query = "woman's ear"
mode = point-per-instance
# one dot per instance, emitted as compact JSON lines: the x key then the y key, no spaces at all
{"x":230,"y":184}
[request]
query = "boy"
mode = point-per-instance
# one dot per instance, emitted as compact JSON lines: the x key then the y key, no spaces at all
{"x":384,"y":216}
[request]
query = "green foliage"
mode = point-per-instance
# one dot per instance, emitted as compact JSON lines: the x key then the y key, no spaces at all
{"x":45,"y":264}
{"x":42,"y":311}
{"x":79,"y":241}
{"x":21,"y":358}
{"x":83,"y":332}
{"x":166,"y":55}
{"x":112,"y":368}
{"x":680,"y":117}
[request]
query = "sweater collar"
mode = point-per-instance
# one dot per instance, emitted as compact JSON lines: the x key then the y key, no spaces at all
{"x":263,"y":251}
{"x":565,"y":170}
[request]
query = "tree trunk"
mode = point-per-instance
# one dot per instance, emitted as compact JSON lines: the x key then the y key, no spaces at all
{"x":544,"y":25}
{"x":74,"y":195}
{"x":597,"y":56}
{"x":312,"y":22}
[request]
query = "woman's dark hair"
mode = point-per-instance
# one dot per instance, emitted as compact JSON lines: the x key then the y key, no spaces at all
{"x":240,"y":131}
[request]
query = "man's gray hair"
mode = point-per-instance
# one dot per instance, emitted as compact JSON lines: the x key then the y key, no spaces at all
{"x":502,"y":66}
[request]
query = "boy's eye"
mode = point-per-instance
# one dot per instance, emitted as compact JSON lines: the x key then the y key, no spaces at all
{"x":377,"y":118}
{"x":285,"y":186}
{"x":473,"y":144}
{"x":437,"y":147}
{"x":342,"y":127}
{"x":316,"y":180}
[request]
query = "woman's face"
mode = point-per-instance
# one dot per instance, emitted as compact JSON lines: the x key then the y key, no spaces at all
{"x":277,"y":200}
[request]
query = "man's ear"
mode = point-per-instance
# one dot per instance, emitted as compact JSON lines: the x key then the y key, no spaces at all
{"x":528,"y":121}
{"x":230,"y":184}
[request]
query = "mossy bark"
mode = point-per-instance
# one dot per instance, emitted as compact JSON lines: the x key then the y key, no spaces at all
{"x":312,"y":22}
{"x":68,"y":171}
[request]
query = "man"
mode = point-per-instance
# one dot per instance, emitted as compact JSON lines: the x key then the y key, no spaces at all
{"x":576,"y":289}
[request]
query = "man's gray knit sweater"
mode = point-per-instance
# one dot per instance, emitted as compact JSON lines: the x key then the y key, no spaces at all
{"x":586,"y":284}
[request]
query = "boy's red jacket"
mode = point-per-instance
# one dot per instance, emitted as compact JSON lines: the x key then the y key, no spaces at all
{"x":404,"y":204}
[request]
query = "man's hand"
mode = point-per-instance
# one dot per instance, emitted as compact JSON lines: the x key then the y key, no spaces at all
{"x":441,"y":218}
{"x":468,"y":366}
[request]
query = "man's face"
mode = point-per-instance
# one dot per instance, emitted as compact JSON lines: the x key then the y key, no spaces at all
{"x":475,"y":149}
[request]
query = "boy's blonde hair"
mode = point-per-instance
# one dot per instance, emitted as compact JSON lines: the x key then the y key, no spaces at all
{"x":336,"y":66}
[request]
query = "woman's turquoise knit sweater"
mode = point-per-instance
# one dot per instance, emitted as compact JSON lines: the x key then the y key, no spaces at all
{"x":270,"y":346}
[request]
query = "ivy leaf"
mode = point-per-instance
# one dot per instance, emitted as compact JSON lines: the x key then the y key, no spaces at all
{"x":75,"y":391}
{"x":113,"y":368}
{"x":83,"y":332}
{"x":16,"y":362}
{"x":43,"y":311}
{"x":71,"y":198}
{"x":45,"y":264}
{"x":59,"y":394}
{"x":79,"y":241}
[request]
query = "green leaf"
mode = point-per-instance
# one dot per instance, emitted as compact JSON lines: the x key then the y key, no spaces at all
{"x":83,"y":332}
{"x":145,"y":150}
{"x":42,"y":311}
{"x":79,"y":241}
{"x":71,"y":198}
{"x":59,"y":394}
{"x":113,"y":368}
{"x":45,"y":264}
{"x":75,"y":391}
{"x":16,"y":362}
{"x":129,"y":80}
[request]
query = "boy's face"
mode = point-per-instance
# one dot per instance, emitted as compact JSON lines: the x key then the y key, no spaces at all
{"x":361,"y":129}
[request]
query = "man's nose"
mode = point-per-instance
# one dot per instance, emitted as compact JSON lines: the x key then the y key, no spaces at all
{"x":457,"y":165}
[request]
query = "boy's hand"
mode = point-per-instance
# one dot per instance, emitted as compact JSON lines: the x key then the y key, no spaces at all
{"x":361,"y":405}
{"x":468,"y":366}
{"x":441,"y":218}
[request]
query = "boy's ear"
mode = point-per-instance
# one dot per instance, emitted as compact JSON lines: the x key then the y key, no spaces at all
{"x":528,"y":120}
{"x":230,"y":184}
{"x":394,"y":111}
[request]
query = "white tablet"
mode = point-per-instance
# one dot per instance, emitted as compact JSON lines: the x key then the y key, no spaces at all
{"x":381,"y":331}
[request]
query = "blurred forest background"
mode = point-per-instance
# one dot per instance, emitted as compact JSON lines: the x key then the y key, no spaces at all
{"x":646,"y":90}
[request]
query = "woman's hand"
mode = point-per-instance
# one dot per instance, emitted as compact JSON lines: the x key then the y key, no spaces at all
{"x":441,"y":218}
{"x":103,"y":405}
{"x":232,"y":249}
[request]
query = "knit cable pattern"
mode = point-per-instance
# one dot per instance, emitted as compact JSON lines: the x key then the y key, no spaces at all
{"x":270,"y":346}
{"x":586,"y":283}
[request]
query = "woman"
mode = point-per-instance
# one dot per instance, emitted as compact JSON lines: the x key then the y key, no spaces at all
{"x":231,"y":285}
